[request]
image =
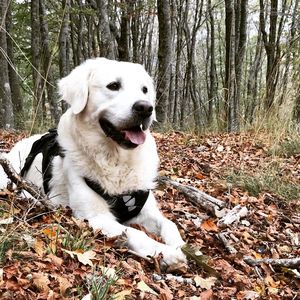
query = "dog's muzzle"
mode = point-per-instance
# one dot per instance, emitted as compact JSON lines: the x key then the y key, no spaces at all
{"x":132,"y":132}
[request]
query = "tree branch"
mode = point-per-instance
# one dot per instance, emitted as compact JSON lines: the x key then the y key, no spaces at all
{"x":281,"y":262}
{"x":23,"y":184}
{"x":196,"y":196}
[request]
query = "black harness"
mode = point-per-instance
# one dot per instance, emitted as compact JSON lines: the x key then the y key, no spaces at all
{"x":124,"y":207}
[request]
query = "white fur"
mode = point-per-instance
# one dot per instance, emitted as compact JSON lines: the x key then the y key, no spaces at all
{"x":90,"y":153}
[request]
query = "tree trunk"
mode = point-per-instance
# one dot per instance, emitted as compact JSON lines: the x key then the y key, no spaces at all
{"x":212,"y":89}
{"x":49,"y":82}
{"x":123,"y":41}
{"x":64,"y":67}
{"x":240,"y":35}
{"x":107,"y":46}
{"x":164,"y":60}
{"x":73,"y":35}
{"x":64,"y":45}
{"x":36,"y":63}
{"x":229,"y":66}
{"x":178,"y":76}
{"x":7,"y":117}
{"x":16,"y":95}
{"x":252,"y":84}
{"x":296,"y":113}
{"x":291,"y":40}
{"x":270,"y":47}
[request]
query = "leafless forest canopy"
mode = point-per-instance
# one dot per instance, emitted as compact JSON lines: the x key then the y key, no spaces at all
{"x":218,"y":65}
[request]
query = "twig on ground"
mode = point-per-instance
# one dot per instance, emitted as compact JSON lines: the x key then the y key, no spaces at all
{"x":21,"y":183}
{"x":226,"y":243}
{"x":280,"y":262}
{"x":196,"y":196}
{"x":180,"y":279}
{"x":233,"y":215}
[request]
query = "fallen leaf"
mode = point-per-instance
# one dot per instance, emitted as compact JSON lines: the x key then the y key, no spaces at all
{"x":142,"y":286}
{"x":41,"y":281}
{"x":269,"y":281}
{"x":64,"y":284}
{"x":57,"y":261}
{"x":108,"y":272}
{"x":49,"y":232}
{"x":205,"y":283}
{"x":85,"y":257}
{"x":122,"y":295}
{"x":200,"y":176}
{"x":206,"y":295}
{"x":248,"y":295}
{"x":39,"y":247}
{"x":209,"y":225}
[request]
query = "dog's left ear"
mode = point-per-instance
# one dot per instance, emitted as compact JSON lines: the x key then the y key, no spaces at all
{"x":74,"y":88}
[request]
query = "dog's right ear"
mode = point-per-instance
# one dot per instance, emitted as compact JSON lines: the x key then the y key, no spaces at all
{"x":74,"y":88}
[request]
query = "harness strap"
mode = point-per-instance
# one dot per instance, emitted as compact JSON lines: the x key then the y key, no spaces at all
{"x":49,"y":147}
{"x":124,"y":207}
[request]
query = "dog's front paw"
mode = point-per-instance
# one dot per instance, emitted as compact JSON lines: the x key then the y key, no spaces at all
{"x":173,"y":260}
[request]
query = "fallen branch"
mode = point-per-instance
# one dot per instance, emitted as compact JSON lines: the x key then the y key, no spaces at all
{"x":21,"y":183}
{"x":280,"y":262}
{"x":233,"y":215}
{"x":180,"y":279}
{"x":196,"y":196}
{"x":226,"y":243}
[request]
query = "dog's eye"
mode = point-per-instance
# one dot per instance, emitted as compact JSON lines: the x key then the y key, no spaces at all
{"x":145,"y":90}
{"x":114,"y":86}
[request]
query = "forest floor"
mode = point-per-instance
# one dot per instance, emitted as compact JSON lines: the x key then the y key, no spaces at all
{"x":48,"y":254}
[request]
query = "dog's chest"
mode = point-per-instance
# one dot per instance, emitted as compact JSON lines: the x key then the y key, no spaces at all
{"x":117,"y":176}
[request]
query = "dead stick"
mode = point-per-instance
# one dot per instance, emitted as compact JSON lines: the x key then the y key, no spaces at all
{"x":196,"y":196}
{"x":23,"y":184}
{"x":280,"y":262}
{"x":226,"y":243}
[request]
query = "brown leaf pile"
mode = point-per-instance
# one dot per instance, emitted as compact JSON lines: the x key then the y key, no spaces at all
{"x":51,"y":255}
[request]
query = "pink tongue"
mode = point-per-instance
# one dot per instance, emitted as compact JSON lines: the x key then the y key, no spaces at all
{"x":135,"y":137}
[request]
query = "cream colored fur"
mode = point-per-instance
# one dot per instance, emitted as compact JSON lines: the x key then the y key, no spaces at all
{"x":90,"y":153}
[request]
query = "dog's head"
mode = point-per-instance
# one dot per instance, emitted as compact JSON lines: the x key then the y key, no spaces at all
{"x":117,"y":96}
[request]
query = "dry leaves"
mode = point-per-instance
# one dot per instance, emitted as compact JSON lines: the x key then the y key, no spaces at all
{"x":44,"y":262}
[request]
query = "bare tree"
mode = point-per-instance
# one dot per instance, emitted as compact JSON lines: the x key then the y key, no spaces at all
{"x":164,"y":60}
{"x":240,"y":45}
{"x":16,"y":96}
{"x":64,"y":55}
{"x":212,"y":84}
{"x":235,"y":23}
{"x":107,"y":45}
{"x":49,"y":82}
{"x":123,"y":40}
{"x":252,"y":84}
{"x":7,"y":116}
{"x":272,"y":47}
{"x":36,"y":60}
{"x":229,"y":65}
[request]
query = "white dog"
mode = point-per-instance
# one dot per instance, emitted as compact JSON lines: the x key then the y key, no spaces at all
{"x":102,"y":161}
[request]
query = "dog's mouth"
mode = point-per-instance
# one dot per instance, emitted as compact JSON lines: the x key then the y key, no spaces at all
{"x":128,"y":137}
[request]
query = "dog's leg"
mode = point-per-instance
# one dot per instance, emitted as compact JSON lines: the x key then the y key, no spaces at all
{"x":88,"y":205}
{"x":153,"y":220}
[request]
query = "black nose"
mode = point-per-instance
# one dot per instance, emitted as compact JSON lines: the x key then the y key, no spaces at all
{"x":142,"y":108}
